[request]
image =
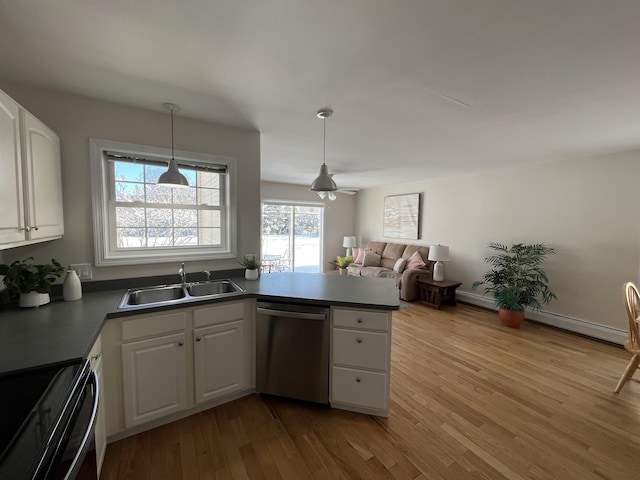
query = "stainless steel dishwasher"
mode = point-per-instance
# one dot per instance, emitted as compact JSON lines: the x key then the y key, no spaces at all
{"x":292,"y":351}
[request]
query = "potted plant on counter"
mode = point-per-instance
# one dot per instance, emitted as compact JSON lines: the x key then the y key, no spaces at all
{"x":32,"y":282}
{"x":343,"y":263}
{"x":252,"y":265}
{"x":517,"y":280}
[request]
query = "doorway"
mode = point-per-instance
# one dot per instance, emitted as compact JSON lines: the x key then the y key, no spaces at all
{"x":291,"y":237}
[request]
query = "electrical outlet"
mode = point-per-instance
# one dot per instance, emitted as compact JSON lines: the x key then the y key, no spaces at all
{"x":83,"y":270}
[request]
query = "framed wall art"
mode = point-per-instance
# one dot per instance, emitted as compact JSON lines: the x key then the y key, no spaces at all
{"x":402,"y":216}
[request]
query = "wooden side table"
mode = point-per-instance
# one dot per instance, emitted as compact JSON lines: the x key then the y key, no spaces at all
{"x":434,"y":294}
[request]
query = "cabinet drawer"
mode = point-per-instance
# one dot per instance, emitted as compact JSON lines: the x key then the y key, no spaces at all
{"x":152,"y":326}
{"x":357,"y":387}
{"x":221,"y":313}
{"x":361,"y":319}
{"x":360,"y":349}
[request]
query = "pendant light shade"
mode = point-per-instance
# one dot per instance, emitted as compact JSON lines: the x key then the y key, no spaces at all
{"x":323,"y":182}
{"x":172,"y":177}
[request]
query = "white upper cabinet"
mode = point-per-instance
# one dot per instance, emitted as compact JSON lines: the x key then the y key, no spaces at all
{"x":12,"y":220}
{"x":31,"y":181}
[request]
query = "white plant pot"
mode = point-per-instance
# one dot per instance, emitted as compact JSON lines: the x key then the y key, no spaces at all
{"x":34,"y":299}
{"x":343,"y":272}
{"x":251,"y":274}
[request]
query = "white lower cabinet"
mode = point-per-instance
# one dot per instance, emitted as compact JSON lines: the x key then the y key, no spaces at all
{"x":95,"y":360}
{"x":360,"y":360}
{"x":163,"y":366}
{"x":154,"y":378}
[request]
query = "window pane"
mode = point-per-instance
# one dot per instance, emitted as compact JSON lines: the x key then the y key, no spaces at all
{"x":158,"y":193}
{"x":152,"y":173}
{"x":129,"y":217}
{"x":208,"y":180}
{"x":185,"y":196}
{"x":129,"y":192}
{"x":129,"y":171}
{"x":208,"y":196}
{"x":185,"y":218}
{"x":130,"y":237}
{"x":210,"y":236}
{"x":159,"y":217}
{"x":209,"y":218}
{"x":190,"y":175}
{"x":185,"y":236}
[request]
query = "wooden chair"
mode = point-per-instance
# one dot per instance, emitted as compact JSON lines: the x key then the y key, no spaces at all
{"x":632,"y":304}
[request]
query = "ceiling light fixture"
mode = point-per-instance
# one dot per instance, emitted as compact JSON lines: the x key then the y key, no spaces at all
{"x":172,"y":177}
{"x":324,"y":184}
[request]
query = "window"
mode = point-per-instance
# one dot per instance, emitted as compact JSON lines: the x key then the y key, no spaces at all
{"x":138,"y":221}
{"x":291,"y":237}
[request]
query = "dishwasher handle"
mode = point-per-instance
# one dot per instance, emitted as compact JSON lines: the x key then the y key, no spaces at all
{"x":288,"y":314}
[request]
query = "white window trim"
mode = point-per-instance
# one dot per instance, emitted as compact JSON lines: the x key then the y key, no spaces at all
{"x":104,"y":256}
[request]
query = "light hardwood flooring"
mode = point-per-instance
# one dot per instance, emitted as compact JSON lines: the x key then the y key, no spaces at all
{"x":470,"y":399}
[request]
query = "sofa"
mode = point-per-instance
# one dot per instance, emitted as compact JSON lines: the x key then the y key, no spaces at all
{"x":401,"y":262}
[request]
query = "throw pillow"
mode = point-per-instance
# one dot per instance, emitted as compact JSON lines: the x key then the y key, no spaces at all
{"x":415,"y":261}
{"x":371,"y":259}
{"x":358,"y":255}
{"x":400,"y":264}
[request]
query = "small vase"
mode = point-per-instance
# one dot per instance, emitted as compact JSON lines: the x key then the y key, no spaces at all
{"x":252,"y":274}
{"x":33,"y":299}
{"x":71,"y":288}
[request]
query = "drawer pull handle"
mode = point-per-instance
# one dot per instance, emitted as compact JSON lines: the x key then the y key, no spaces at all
{"x":359,"y":340}
{"x":95,"y":357}
{"x":198,"y":339}
{"x":358,"y":379}
{"x":359,"y":320}
{"x":180,"y":343}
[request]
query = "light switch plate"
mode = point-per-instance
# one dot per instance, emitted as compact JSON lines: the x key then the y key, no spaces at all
{"x":83,"y":270}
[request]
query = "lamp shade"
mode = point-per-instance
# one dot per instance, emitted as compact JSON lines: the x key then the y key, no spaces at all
{"x":349,"y":242}
{"x":324,"y":182}
{"x":439,"y":253}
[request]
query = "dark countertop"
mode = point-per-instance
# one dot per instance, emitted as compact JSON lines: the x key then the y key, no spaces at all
{"x":62,"y":332}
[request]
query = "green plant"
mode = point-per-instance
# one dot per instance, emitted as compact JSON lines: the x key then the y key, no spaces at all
{"x":22,"y":276}
{"x":250,"y":262}
{"x":344,"y":262}
{"x":517,"y":280}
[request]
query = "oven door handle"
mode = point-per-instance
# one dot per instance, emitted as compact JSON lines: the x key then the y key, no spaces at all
{"x":287,"y":314}
{"x":85,"y":445}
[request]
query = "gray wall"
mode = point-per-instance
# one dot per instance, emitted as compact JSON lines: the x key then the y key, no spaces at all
{"x":339,"y":215}
{"x":587,"y":209}
{"x":76,"y":119}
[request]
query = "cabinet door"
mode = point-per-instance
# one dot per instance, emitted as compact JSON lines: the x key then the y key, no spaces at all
{"x":43,"y":179}
{"x":154,"y":378}
{"x":220,"y":360}
{"x":11,"y":197}
{"x":95,"y":359}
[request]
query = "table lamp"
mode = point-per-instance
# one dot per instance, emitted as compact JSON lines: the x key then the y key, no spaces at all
{"x":349,"y":243}
{"x":438,"y":254}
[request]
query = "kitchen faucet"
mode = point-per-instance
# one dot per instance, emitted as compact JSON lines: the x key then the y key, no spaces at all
{"x":182,"y":274}
{"x":207,"y":274}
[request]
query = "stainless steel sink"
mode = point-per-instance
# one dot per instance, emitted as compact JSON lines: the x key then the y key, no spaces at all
{"x":161,"y":294}
{"x":214,"y":287}
{"x":172,"y":294}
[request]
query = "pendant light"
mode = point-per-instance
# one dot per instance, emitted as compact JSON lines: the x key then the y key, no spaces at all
{"x":324,"y":184}
{"x":172,"y":177}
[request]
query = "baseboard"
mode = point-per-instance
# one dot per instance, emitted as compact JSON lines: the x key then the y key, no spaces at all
{"x":571,"y":324}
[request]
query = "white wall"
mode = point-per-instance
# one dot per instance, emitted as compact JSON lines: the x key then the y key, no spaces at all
{"x":76,"y":119}
{"x":339,"y":215}
{"x":588,"y":209}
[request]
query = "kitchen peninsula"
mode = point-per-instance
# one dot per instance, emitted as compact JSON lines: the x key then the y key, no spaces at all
{"x":63,"y":332}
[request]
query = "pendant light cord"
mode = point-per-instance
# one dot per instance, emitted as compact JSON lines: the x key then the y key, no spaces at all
{"x":172,"y":156}
{"x":324,"y":140}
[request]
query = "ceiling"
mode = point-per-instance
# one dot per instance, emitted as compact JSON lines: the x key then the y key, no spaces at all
{"x":420,"y":89}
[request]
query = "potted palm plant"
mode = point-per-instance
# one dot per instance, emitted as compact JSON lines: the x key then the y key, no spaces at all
{"x":252,"y":264}
{"x":517,"y":280}
{"x":32,"y":282}
{"x":343,"y":263}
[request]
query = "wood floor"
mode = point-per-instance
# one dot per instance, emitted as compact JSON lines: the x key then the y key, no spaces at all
{"x":469,"y":400}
